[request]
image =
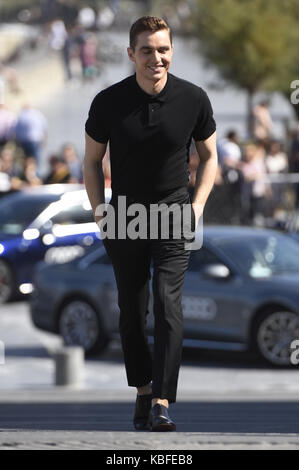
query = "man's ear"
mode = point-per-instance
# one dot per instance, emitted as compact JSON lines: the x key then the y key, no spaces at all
{"x":131,"y":54}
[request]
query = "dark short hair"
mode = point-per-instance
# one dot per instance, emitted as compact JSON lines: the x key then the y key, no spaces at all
{"x":147,"y":23}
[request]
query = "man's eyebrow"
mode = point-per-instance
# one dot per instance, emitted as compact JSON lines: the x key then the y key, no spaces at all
{"x":150,"y":48}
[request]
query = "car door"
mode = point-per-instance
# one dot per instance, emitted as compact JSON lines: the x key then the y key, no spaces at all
{"x":68,"y":233}
{"x":213,"y":308}
{"x":101,"y":286}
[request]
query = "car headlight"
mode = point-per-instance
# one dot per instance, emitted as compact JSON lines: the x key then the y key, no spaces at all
{"x":31,"y":234}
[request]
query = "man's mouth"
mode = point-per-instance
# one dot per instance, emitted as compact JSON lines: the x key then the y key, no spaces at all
{"x":156,"y":68}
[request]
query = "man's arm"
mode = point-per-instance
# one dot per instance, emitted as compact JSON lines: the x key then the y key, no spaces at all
{"x":93,"y":173}
{"x":206,"y":173}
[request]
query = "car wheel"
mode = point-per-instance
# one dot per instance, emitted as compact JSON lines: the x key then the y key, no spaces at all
{"x":80,"y":324}
{"x":273,"y":335}
{"x":6,"y":282}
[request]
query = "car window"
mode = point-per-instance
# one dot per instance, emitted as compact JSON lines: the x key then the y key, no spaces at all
{"x":263,"y":256}
{"x":18,"y":211}
{"x":201,"y":258}
{"x":73,"y":215}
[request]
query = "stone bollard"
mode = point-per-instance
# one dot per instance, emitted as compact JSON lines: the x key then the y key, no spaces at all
{"x":69,"y":361}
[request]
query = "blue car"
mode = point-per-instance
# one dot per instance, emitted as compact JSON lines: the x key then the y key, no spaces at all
{"x":51,"y":222}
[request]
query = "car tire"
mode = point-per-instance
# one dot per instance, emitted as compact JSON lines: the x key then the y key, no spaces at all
{"x":80,"y":324}
{"x":273,"y":334}
{"x":7,"y":287}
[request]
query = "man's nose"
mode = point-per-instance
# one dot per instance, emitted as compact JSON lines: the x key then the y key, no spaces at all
{"x":157,"y":57}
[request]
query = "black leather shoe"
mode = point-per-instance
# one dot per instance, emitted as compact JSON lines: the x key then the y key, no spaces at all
{"x":159,"y":419}
{"x":142,"y":409}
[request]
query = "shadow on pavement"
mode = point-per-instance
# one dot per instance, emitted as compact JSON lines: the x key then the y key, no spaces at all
{"x":26,"y":351}
{"x":190,"y":357}
{"x":201,"y":416}
{"x":202,"y":358}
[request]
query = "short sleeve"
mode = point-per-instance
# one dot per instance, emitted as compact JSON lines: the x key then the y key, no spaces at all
{"x":205,"y":125}
{"x":96,"y":125}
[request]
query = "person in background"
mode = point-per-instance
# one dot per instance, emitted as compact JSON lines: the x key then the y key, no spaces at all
{"x":30,"y":131}
{"x":88,"y":56}
{"x":254,"y":187}
{"x":229,"y":150}
{"x":59,"y":172}
{"x":71,"y":158}
{"x":7,"y":125}
{"x":276,"y":162}
{"x":263,"y":123}
{"x":28,"y":177}
{"x":67,"y":54}
{"x":7,"y":162}
{"x":230,"y":159}
{"x":8,"y":170}
{"x":57,"y":34}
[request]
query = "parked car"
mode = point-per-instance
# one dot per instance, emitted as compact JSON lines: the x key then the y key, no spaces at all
{"x":52,"y":222}
{"x":240,"y":293}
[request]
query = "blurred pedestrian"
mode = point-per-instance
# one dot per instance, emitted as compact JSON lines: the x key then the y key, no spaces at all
{"x":61,"y":40}
{"x":7,"y":125}
{"x":255,"y":189}
{"x":58,"y":34}
{"x":88,"y":56}
{"x":31,"y":131}
{"x":263,"y":123}
{"x":71,"y":158}
{"x":229,"y":151}
{"x":7,"y":162}
{"x":59,"y":172}
{"x":67,"y":54}
{"x":28,"y":177}
{"x":8,"y":170}
{"x":276,"y":162}
{"x":10,"y":77}
{"x":230,"y":156}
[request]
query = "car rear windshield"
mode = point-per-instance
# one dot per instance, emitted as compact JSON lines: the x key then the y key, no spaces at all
{"x":18,"y":211}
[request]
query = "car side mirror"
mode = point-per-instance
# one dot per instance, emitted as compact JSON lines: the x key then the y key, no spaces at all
{"x":46,"y":228}
{"x":215,"y":271}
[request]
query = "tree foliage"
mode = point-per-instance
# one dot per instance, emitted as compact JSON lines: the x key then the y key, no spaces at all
{"x":253,"y":43}
{"x":246,"y":39}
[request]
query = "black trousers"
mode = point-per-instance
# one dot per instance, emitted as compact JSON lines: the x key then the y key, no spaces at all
{"x":131,"y":260}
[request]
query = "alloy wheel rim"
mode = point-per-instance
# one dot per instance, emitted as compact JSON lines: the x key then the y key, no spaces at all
{"x":275,"y":336}
{"x":79,"y":324}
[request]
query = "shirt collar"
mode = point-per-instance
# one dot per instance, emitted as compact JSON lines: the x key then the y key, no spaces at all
{"x":162,"y":96}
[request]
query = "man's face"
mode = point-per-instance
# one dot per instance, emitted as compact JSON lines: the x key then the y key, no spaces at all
{"x":152,"y":55}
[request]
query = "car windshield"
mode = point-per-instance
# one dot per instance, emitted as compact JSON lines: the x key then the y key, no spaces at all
{"x":262,"y":256}
{"x":17,"y":212}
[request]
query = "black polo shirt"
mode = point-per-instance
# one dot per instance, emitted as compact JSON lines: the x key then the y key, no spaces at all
{"x":150,"y":135}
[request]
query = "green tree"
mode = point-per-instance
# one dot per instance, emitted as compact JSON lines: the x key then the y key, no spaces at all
{"x":289,"y":70}
{"x":250,"y":41}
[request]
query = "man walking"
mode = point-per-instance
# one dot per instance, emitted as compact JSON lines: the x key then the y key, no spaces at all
{"x":149,"y":119}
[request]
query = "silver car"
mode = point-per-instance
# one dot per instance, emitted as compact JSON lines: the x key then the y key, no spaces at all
{"x":241,"y":292}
